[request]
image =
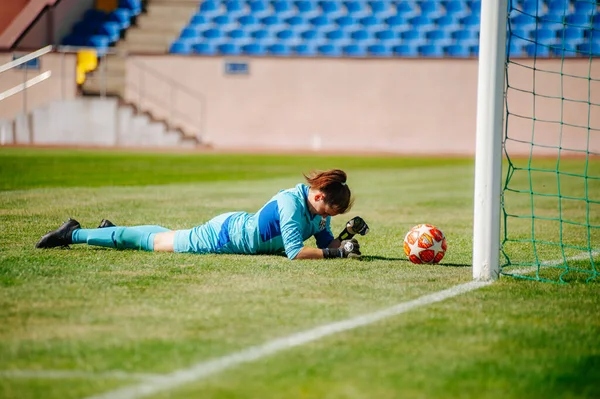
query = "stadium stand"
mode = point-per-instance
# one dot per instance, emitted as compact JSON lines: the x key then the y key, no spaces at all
{"x":336,"y":28}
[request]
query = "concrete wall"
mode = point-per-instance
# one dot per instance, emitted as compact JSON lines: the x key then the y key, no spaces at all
{"x":61,"y":85}
{"x":17,"y":16}
{"x":413,"y":106}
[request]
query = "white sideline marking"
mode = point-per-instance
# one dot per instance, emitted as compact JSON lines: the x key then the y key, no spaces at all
{"x":205,"y":369}
{"x":64,"y":374}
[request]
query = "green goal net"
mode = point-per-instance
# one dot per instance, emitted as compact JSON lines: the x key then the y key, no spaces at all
{"x":551,"y":192}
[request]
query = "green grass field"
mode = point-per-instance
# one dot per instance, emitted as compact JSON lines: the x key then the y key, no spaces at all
{"x":86,"y":321}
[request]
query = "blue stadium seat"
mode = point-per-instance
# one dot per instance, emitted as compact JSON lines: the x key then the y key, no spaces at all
{"x":465,"y":34}
{"x":586,"y":7}
{"x":110,"y":29}
{"x":456,"y":8}
{"x":407,"y":9}
{"x":253,"y":49}
{"x":94,"y":15}
{"x":379,"y":50}
{"x":320,"y":20}
{"x":515,"y":49}
{"x":431,"y":50}
{"x":544,"y":36}
{"x":238,"y":34}
{"x":248,"y":20}
{"x":457,"y":51}
{"x":572,"y":33}
{"x":431,"y":8}
{"x":284,"y":8}
{"x":551,"y":21}
{"x":406,"y":50}
{"x":122,"y":16}
{"x":337,"y":35}
{"x":354,"y":50}
{"x":386,"y":35}
{"x":564,"y":50}
{"x":271,"y":20}
{"x":306,"y":7}
{"x":449,"y":22}
{"x":297,"y":22}
{"x":305,"y":50}
{"x":356,"y":8}
{"x":204,"y":48}
{"x":212,"y":33}
{"x":234,"y":7}
{"x":361,"y":36}
{"x":259,"y":8}
{"x":210,"y":8}
{"x":331,"y":7}
{"x":99,"y":42}
{"x":262,"y":35}
{"x":223,"y":20}
{"x":420,"y":21}
{"x":370,"y":21}
{"x":591,"y":49}
{"x":287,"y":35}
{"x":75,"y":40}
{"x":135,"y":6}
{"x":190,"y":32}
{"x":199,"y":20}
{"x":474,"y":7}
{"x":470,"y":20}
{"x":537,"y":50}
{"x":330,"y":50}
{"x":560,"y":7}
{"x":180,"y":47}
{"x":523,"y":21}
{"x":440,"y":37}
{"x":279,"y":49}
{"x":345,"y":20}
{"x":311,"y":35}
{"x":533,"y":7}
{"x":396,"y":20}
{"x":582,"y":20}
{"x":86,"y":28}
{"x":413,"y":36}
{"x":229,"y":48}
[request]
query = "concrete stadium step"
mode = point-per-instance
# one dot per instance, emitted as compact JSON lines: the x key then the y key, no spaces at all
{"x":157,"y":48}
{"x":157,"y":24}
{"x":170,"y":10}
{"x":136,"y":35}
{"x":104,"y":85}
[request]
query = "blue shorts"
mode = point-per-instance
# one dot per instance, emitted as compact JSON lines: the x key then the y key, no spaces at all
{"x":210,"y":237}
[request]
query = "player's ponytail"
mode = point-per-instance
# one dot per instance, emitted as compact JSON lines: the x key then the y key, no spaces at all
{"x":332,"y":183}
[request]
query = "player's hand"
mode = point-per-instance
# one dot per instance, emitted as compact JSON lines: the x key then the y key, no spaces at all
{"x":357,"y":225}
{"x":354,"y":226}
{"x":350,"y":249}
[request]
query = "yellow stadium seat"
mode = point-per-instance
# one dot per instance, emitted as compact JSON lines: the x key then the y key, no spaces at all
{"x":87,"y":61}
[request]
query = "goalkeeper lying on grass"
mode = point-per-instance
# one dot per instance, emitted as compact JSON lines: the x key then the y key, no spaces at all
{"x":281,"y":225}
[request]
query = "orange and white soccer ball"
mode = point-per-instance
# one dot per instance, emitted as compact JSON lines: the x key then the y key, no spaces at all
{"x":425,"y":243}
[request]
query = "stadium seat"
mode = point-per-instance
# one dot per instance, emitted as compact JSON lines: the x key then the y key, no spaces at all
{"x":537,"y":50}
{"x":585,"y":7}
{"x":465,"y":34}
{"x":591,"y":49}
{"x":199,"y":20}
{"x":229,"y":48}
{"x":190,"y":32}
{"x":122,"y":16}
{"x":431,"y":50}
{"x":320,"y":20}
{"x":560,"y":7}
{"x":210,"y":8}
{"x":413,"y":35}
{"x":311,"y":35}
{"x":407,"y":9}
{"x":345,"y":20}
{"x":386,"y":35}
{"x":457,"y":51}
{"x":406,"y":50}
{"x":296,"y":22}
{"x":204,"y":48}
{"x":253,"y":49}
{"x":135,"y":6}
{"x":474,"y":7}
{"x":361,"y":36}
{"x":456,"y":8}
{"x":248,"y":20}
{"x":283,"y":8}
{"x":448,"y":22}
{"x":440,"y":37}
{"x":306,"y":7}
{"x":332,"y":8}
{"x":110,"y":29}
{"x":471,"y":20}
{"x":379,"y":50}
{"x":329,"y":49}
{"x":356,"y":8}
{"x":305,"y":50}
{"x":287,"y":36}
{"x":581,"y":20}
{"x":369,"y":21}
{"x":238,"y":34}
{"x":212,"y":33}
{"x":260,"y":8}
{"x":100,"y":43}
{"x":544,"y":36}
{"x":431,"y":8}
{"x":533,"y":7}
{"x":180,"y":47}
{"x":514,"y":49}
{"x":234,"y":8}
{"x":278,"y":49}
{"x":523,"y":21}
{"x":396,"y":20}
{"x":337,"y":35}
{"x":354,"y":50}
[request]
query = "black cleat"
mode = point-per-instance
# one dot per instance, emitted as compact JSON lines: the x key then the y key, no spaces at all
{"x":60,"y":237}
{"x":105,"y":223}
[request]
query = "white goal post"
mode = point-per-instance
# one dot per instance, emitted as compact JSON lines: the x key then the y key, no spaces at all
{"x":488,"y":150}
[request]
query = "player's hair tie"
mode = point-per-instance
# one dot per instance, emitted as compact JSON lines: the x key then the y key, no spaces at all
{"x":343,"y":183}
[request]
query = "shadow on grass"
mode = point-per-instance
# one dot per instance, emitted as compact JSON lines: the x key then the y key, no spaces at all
{"x":371,"y":258}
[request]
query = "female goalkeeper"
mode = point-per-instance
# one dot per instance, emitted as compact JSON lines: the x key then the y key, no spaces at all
{"x":281,"y":225}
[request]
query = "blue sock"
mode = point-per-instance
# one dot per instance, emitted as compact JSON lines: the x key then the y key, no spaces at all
{"x":137,"y":237}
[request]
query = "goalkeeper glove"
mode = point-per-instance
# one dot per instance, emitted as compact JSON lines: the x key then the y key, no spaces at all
{"x":348,"y":249}
{"x":354,"y":226}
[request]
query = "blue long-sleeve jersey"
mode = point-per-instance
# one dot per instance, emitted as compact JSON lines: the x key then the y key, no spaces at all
{"x":281,"y":225}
